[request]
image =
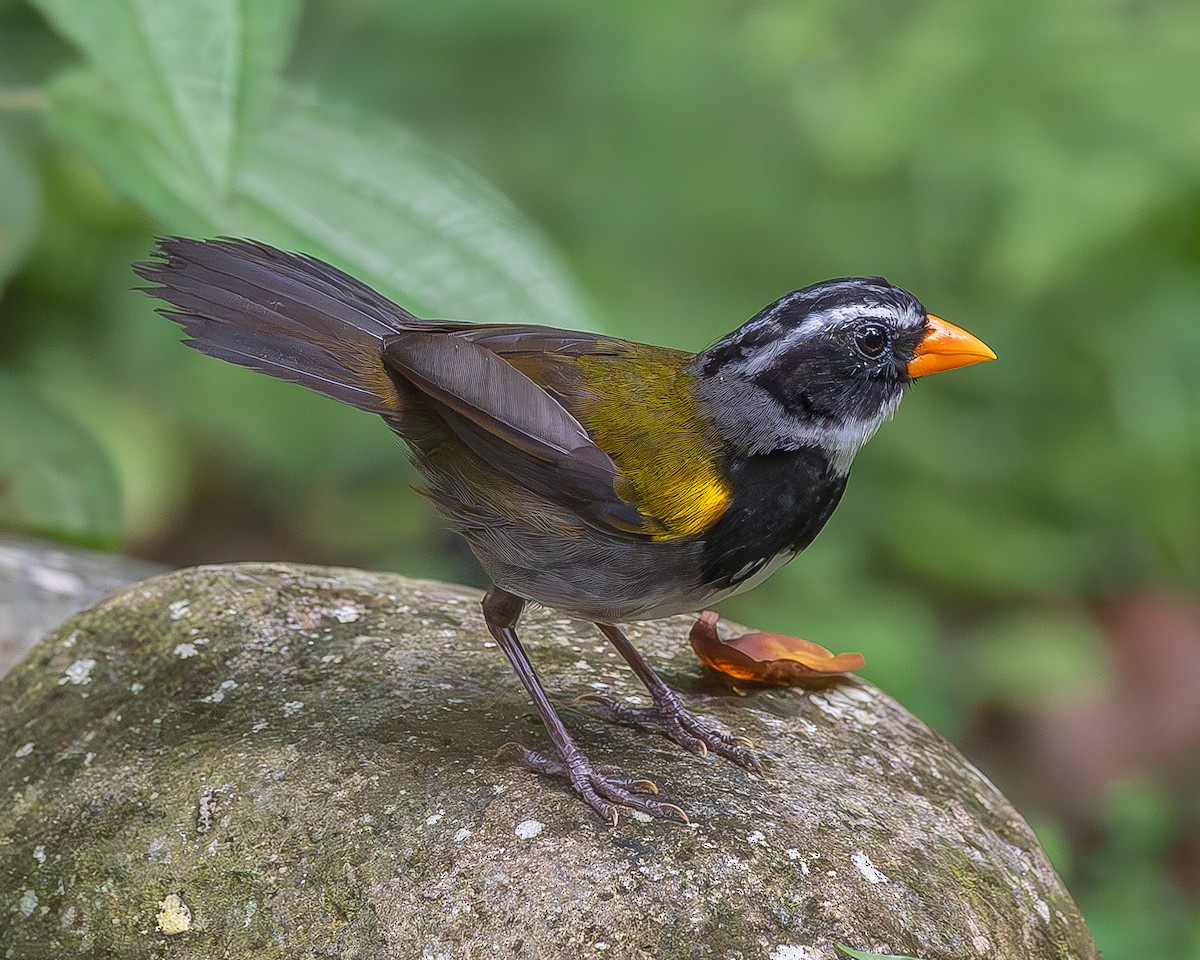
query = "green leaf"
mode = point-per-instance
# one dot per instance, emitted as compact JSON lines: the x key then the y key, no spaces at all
{"x":54,"y":478}
{"x":175,"y":113}
{"x":864,"y":955}
{"x":346,"y":186}
{"x":197,"y":72}
{"x":19,"y":203}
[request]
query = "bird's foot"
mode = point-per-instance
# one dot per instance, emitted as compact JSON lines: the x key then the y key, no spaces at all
{"x":670,"y":718}
{"x":605,"y":795}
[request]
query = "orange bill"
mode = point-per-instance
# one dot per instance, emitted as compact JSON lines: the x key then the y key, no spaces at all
{"x":768,"y":657}
{"x":945,"y":347}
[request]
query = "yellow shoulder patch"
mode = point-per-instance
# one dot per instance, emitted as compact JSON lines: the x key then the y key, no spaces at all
{"x":640,"y":410}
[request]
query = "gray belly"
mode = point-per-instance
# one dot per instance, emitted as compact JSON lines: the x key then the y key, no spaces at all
{"x":592,"y":577}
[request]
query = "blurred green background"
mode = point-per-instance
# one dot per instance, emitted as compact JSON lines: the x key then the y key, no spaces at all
{"x":1018,"y":555}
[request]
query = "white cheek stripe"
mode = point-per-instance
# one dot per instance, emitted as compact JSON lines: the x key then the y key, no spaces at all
{"x":814,"y":327}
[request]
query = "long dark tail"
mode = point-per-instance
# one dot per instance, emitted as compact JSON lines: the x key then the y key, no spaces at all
{"x":287,"y":315}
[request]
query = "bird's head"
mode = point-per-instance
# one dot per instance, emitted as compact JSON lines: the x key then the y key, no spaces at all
{"x":826,"y":365}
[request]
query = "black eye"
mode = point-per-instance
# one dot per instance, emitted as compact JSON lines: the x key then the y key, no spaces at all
{"x":871,"y":340}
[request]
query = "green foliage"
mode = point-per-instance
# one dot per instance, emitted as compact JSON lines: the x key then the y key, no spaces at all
{"x":1009,"y":658}
{"x":55,"y":480}
{"x":18,"y":209}
{"x":195,"y":75}
{"x":182,"y":111}
{"x":1132,"y":891}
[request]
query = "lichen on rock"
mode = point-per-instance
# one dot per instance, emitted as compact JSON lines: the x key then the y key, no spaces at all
{"x":317,"y":776}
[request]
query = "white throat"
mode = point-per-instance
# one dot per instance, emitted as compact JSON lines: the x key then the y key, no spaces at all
{"x":843,"y":441}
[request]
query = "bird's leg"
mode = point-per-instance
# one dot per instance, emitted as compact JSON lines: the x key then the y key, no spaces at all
{"x":668,"y":716}
{"x":501,"y":611}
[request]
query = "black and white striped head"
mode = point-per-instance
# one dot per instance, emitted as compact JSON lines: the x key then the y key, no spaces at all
{"x":837,"y":357}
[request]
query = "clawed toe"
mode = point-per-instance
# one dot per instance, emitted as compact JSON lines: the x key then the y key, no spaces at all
{"x":605,"y":795}
{"x":672,"y":720}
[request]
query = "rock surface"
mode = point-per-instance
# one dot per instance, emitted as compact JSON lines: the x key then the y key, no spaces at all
{"x":265,"y":761}
{"x":41,"y":584}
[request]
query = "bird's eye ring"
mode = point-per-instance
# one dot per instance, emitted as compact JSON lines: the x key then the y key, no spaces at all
{"x":871,"y":341}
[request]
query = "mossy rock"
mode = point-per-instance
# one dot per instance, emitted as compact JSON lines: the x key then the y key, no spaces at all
{"x":262,"y":761}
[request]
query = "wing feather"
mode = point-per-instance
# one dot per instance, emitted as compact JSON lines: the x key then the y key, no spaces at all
{"x":514,"y":424}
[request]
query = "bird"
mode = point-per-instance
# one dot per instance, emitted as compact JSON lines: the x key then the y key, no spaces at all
{"x":606,"y":479}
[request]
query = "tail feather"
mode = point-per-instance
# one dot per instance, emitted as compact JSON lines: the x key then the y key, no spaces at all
{"x":290,"y":316}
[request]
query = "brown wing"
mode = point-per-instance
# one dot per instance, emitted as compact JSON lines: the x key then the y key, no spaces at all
{"x":516,"y":426}
{"x":634,"y":402}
